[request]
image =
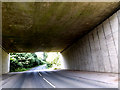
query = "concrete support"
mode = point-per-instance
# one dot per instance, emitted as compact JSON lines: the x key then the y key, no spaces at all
{"x":0,"y":62}
{"x":118,"y":14}
{"x":96,"y":51}
{"x":5,"y":62}
{"x":0,"y":68}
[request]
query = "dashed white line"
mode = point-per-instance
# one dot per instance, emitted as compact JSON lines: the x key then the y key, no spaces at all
{"x":40,"y":74}
{"x":49,"y":83}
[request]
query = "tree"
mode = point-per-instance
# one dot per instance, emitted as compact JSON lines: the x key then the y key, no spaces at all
{"x":45,"y":56}
{"x":54,"y":61}
{"x":23,"y":60}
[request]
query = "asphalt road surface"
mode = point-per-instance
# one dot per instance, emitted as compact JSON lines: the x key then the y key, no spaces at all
{"x":51,"y":79}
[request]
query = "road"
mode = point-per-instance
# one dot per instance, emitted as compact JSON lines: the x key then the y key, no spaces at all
{"x":52,"y":79}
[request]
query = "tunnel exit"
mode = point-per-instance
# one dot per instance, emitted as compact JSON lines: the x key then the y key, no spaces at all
{"x":42,"y":60}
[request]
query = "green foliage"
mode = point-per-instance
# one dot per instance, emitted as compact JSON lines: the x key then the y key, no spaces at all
{"x":49,"y":65}
{"x":22,"y":61}
{"x":20,"y":69}
{"x":55,"y":62}
{"x":45,"y":56}
{"x":25,"y":61}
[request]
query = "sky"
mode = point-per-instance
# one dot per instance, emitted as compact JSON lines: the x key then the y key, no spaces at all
{"x":39,"y":54}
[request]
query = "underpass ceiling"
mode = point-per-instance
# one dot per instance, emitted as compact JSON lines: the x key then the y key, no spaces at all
{"x":49,"y":26}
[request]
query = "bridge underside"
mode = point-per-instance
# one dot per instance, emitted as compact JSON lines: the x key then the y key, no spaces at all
{"x":85,"y":33}
{"x":50,"y":26}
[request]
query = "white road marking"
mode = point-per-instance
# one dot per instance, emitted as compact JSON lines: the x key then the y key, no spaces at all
{"x":40,"y":74}
{"x":49,"y":83}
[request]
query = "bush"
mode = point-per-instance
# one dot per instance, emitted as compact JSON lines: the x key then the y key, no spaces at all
{"x":23,"y":61}
{"x":49,"y":65}
{"x":20,"y":69}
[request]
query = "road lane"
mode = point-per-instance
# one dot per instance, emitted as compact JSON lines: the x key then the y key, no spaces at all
{"x":26,"y":80}
{"x":51,"y":79}
{"x":66,"y":81}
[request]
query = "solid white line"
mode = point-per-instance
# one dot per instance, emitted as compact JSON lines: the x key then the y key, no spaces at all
{"x":49,"y":83}
{"x":40,"y":74}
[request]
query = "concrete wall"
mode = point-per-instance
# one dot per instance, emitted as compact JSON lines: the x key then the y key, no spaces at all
{"x":0,"y":61}
{"x":119,"y":41}
{"x":5,"y":62}
{"x":96,"y":51}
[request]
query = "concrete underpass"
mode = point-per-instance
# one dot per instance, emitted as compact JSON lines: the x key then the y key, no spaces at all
{"x":86,"y":34}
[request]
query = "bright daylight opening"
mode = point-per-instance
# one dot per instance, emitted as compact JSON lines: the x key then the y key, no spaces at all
{"x":38,"y":61}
